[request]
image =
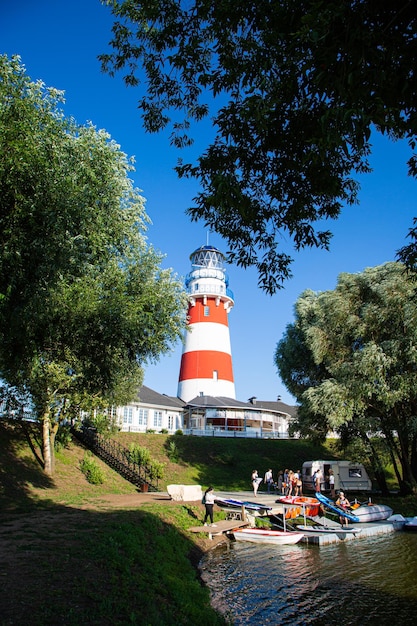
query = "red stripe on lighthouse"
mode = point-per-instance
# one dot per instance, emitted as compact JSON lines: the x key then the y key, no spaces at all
{"x":216,"y":313}
{"x":202,"y":364}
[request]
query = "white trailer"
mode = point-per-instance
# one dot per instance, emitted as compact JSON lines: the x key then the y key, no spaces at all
{"x":348,"y":476}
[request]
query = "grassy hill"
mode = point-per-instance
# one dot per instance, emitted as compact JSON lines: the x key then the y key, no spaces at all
{"x":225,"y":463}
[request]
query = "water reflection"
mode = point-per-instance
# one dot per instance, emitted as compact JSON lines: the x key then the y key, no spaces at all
{"x":359,"y":582}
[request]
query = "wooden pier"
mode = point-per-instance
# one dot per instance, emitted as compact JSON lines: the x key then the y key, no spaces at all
{"x":219,"y":528}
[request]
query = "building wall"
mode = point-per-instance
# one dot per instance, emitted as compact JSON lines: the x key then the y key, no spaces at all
{"x":142,"y":417}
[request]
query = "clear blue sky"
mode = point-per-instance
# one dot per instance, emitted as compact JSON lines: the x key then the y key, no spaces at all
{"x":58,"y":41}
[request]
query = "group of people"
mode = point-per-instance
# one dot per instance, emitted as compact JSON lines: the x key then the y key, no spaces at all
{"x":288,"y":482}
{"x":328,"y":480}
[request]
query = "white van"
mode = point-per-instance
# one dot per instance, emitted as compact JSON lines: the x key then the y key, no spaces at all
{"x":348,"y":476}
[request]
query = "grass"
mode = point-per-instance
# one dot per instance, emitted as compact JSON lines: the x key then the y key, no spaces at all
{"x":70,"y":557}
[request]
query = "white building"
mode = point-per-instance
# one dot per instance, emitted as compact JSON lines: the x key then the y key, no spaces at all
{"x":151,"y":411}
{"x":205,"y":416}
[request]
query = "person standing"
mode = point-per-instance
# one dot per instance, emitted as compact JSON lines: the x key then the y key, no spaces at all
{"x":331,"y":484}
{"x":255,"y":482}
{"x":317,"y":480}
{"x":208,"y":500}
{"x":299,"y":484}
{"x":280,"y":483}
{"x":269,"y":480}
{"x":286,"y":482}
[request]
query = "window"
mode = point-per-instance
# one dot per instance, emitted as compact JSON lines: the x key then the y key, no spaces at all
{"x":157,"y":419}
{"x":170,"y":422}
{"x":355,"y":473}
{"x":143,"y":417}
{"x":127,"y":415}
{"x":206,"y":311}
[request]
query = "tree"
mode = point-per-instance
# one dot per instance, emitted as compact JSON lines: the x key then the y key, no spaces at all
{"x":360,"y":375}
{"x":294,"y":89}
{"x":84,"y":303}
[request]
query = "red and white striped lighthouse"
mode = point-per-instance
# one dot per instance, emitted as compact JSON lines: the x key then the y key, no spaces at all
{"x":206,"y":363}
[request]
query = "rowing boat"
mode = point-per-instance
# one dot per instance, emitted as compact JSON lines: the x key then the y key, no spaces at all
{"x":261,"y":535}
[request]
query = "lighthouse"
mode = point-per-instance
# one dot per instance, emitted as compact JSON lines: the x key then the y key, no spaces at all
{"x":206,"y":362}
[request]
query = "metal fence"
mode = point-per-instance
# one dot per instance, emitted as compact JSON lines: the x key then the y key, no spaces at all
{"x":237,"y":434}
{"x":118,"y":457}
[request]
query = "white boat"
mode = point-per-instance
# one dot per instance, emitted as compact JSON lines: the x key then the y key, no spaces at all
{"x":372,"y":512}
{"x":261,"y":535}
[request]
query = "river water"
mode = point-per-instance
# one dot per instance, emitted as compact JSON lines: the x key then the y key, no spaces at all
{"x":364,"y":581}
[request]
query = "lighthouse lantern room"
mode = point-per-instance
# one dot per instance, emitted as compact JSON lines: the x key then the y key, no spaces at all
{"x":206,"y":362}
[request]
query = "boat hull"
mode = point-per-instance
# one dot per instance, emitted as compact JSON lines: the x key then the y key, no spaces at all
{"x":373,"y":512}
{"x":238,"y":504}
{"x":258,"y":535}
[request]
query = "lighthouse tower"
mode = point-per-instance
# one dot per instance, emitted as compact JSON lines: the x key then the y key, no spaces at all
{"x":206,"y":363}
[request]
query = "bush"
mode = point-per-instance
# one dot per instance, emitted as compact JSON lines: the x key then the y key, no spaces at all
{"x":173,"y":452}
{"x":139,"y":455}
{"x":103,"y":424}
{"x":91,"y":470}
{"x":63,"y":437}
{"x":156,"y":470}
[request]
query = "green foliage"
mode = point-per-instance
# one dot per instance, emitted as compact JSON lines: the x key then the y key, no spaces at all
{"x":63,"y":437}
{"x":84,"y":302}
{"x":91,"y":470}
{"x":359,"y":376}
{"x":139,"y":454}
{"x":102,"y":423}
{"x":156,"y":469}
{"x":142,"y":456}
{"x":292,"y":90}
{"x":172,"y":451}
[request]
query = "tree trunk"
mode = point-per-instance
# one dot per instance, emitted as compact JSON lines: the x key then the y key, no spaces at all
{"x":47,"y":448}
{"x":377,"y":467}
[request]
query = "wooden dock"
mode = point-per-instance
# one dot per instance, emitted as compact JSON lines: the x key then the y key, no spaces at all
{"x":221,"y":527}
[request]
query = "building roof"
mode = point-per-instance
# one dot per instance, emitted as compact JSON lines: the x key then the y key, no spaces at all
{"x":146,"y":395}
{"x":276,"y":406}
{"x":149,"y":396}
{"x":211,"y":401}
{"x":222,"y":402}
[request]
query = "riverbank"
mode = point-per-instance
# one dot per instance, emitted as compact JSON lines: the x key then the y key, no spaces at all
{"x":111,"y":562}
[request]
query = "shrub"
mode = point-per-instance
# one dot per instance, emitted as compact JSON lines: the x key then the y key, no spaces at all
{"x":139,"y":455}
{"x":63,"y":437}
{"x":156,"y":470}
{"x":91,"y":470}
{"x":103,"y":423}
{"x":173,"y":452}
